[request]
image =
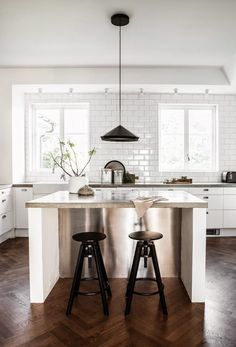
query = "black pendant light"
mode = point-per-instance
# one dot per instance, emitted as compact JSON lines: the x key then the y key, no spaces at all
{"x":119,"y":134}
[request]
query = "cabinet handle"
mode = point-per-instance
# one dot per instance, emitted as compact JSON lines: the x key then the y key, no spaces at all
{"x":206,"y":212}
{"x":205,"y":197}
{"x":4,"y":200}
{"x":24,"y":190}
{"x":4,"y":216}
{"x":206,"y":190}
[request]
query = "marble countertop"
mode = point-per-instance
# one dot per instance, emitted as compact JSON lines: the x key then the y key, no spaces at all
{"x":5,"y":186}
{"x":109,"y":199}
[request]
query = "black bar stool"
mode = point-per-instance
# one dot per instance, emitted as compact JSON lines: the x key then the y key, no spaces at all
{"x":90,"y":248}
{"x":145,"y":248}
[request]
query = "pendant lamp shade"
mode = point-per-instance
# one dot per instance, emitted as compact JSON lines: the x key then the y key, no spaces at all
{"x":119,"y":134}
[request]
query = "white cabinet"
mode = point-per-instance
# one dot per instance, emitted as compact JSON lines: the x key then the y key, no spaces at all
{"x":229,"y":219}
{"x":229,"y":191}
{"x":230,"y":202}
{"x":215,"y":202}
{"x":206,"y":190}
{"x":185,"y":189}
{"x":6,"y":215}
{"x":214,"y":219}
{"x":230,"y":207}
{"x":22,"y":195}
{"x":5,"y":203}
{"x":215,"y":199}
{"x":6,"y":222}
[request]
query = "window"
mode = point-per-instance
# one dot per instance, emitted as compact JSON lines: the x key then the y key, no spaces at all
{"x":187,"y":138}
{"x":50,"y":122}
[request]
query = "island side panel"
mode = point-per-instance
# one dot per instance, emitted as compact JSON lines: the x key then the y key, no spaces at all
{"x":43,"y":252}
{"x":193,"y":252}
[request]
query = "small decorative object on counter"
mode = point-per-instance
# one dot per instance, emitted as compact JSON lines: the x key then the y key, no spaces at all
{"x":181,"y":180}
{"x":106,"y":176}
{"x":118,"y":176}
{"x":117,"y":170}
{"x":76,"y":182}
{"x":86,"y":191}
{"x":66,"y":158}
{"x":130,"y":178}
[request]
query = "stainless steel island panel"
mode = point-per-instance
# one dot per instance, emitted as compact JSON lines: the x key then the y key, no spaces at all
{"x":117,"y":248}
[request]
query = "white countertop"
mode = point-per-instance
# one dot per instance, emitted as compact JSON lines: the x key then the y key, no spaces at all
{"x":111,"y":199}
{"x":5,"y":186}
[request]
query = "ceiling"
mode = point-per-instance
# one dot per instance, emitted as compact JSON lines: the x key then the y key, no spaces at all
{"x":179,"y":33}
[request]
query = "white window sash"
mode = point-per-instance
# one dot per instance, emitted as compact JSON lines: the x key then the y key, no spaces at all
{"x":34,"y":168}
{"x":187,"y":164}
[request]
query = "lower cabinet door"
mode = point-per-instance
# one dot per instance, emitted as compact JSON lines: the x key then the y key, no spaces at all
{"x":6,"y":222}
{"x":229,"y":218}
{"x":22,"y":195}
{"x":214,"y":219}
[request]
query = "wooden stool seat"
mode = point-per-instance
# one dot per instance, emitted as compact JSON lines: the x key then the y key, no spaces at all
{"x":145,"y":236}
{"x":89,"y":237}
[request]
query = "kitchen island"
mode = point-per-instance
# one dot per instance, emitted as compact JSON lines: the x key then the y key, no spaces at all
{"x":55,"y":217}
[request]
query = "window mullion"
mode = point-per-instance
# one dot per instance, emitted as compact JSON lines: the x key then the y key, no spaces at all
{"x":62,"y":131}
{"x":186,"y":139}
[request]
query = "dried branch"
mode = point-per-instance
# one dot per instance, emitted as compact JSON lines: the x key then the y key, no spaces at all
{"x":60,"y":165}
{"x":91,"y":153}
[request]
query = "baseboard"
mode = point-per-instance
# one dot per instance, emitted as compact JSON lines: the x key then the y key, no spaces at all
{"x":21,"y":232}
{"x":225,"y":233}
{"x":8,"y":235}
{"x":228,"y":232}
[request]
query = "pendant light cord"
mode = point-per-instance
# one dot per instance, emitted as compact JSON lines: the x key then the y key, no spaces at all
{"x":120,"y":75}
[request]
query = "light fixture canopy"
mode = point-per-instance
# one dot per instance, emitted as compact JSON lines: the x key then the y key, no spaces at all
{"x":119,"y":133}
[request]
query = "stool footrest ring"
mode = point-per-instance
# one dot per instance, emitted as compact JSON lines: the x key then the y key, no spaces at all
{"x":147,"y":293}
{"x":90,"y":293}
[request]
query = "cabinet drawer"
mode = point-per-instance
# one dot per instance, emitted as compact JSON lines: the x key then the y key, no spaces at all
{"x":214,"y":219}
{"x":229,"y":219}
{"x":4,"y":192}
{"x":6,"y":222}
{"x":5,"y":203}
{"x":229,"y":191}
{"x":215,"y":202}
{"x":230,"y":202}
{"x":206,"y":190}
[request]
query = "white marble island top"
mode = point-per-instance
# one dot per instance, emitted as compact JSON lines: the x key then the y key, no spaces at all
{"x":109,"y":199}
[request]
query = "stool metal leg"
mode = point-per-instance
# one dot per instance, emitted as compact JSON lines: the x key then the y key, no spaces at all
{"x":133,"y":274}
{"x":145,"y":254}
{"x":76,"y":279}
{"x":100,"y":279}
{"x":108,"y":289}
{"x":132,"y":271}
{"x":158,"y":278}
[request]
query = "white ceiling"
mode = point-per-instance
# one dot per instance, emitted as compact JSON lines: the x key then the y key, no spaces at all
{"x":79,"y":32}
{"x":161,"y":33}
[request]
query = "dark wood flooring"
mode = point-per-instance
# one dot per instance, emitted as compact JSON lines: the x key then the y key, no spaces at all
{"x":212,"y":324}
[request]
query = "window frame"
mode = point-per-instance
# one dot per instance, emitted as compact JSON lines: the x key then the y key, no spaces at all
{"x":215,"y":136}
{"x":31,"y":169}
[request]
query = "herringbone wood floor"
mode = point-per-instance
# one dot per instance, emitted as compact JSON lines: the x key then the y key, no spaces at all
{"x":214,"y":324}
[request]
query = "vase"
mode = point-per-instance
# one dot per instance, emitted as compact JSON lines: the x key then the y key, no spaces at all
{"x":75,"y":183}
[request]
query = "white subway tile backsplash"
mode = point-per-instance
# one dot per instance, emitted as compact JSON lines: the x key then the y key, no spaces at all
{"x":140,"y":115}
